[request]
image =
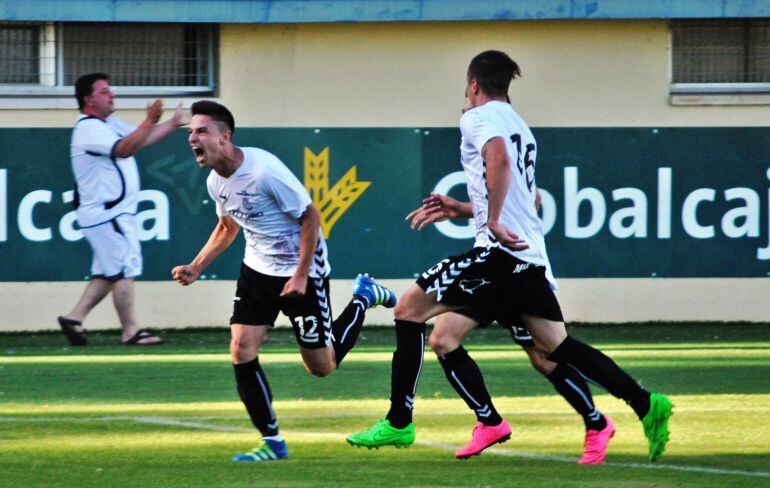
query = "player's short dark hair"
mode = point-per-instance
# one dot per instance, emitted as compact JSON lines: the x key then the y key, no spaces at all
{"x":493,"y":71}
{"x":216,"y":111}
{"x":84,"y":86}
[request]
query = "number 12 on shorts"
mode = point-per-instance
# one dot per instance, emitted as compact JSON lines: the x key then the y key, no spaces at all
{"x":308,"y":328}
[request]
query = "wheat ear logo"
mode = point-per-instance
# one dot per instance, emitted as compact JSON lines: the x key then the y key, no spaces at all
{"x":334,"y":202}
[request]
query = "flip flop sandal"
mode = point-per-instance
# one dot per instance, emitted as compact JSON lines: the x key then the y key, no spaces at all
{"x":142,"y":334}
{"x":75,"y":337}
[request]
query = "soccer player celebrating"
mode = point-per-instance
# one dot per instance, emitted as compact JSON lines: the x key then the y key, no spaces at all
{"x":510,"y":277}
{"x":446,"y":341}
{"x":285,"y":267}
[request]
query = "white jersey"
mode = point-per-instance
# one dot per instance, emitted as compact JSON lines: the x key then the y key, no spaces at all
{"x":106,"y":186}
{"x":478,"y":126}
{"x":266,"y":199}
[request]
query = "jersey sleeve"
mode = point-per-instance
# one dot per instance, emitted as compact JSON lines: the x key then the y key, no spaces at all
{"x":122,"y":127}
{"x":292,"y":198}
{"x":478,"y":130}
{"x":96,"y":137}
{"x":214,"y":194}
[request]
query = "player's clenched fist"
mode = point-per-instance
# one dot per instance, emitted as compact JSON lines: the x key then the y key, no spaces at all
{"x":185,"y":275}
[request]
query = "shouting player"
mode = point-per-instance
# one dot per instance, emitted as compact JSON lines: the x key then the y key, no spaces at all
{"x":285,"y":267}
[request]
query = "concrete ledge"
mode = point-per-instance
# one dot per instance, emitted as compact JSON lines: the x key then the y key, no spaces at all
{"x":34,"y":306}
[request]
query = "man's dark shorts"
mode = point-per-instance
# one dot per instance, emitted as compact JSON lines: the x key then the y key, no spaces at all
{"x":484,"y":317}
{"x":495,"y":281}
{"x":257,"y":302}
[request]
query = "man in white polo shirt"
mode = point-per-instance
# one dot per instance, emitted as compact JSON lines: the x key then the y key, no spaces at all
{"x":106,"y":188}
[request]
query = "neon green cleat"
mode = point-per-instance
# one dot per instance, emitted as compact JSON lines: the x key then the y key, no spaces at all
{"x":383,"y":434}
{"x":655,"y":425}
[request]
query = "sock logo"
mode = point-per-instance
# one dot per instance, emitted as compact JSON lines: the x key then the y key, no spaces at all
{"x":484,"y":411}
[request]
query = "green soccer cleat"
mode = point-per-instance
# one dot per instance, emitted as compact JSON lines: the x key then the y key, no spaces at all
{"x":382,"y":434}
{"x":655,"y":425}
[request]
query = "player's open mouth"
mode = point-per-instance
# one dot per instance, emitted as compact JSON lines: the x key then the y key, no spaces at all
{"x":198,"y":151}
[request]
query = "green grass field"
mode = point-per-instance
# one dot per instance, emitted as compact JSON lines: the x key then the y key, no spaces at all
{"x":108,"y":415}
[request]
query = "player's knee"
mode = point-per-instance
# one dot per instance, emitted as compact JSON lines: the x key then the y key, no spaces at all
{"x":242,"y":351}
{"x":441,"y":342}
{"x":401,"y":311}
{"x":405,"y":309}
{"x":321,"y":370}
{"x":539,"y":361}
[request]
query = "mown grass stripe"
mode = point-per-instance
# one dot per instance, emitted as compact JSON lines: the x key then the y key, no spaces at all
{"x":182,"y":420}
{"x":729,"y":354}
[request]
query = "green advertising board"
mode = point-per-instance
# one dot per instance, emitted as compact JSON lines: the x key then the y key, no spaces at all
{"x":617,"y":202}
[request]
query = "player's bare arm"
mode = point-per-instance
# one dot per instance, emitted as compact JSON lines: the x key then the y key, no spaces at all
{"x":437,"y":208}
{"x":180,"y":118}
{"x":498,"y":181}
{"x":310,"y":221}
{"x":132,"y":143}
{"x":222,"y":236}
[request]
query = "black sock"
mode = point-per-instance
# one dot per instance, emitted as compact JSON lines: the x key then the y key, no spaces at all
{"x":347,"y":326}
{"x":573,"y":387}
{"x":405,"y":371}
{"x":255,"y":394}
{"x":600,"y":369}
{"x":466,"y":378}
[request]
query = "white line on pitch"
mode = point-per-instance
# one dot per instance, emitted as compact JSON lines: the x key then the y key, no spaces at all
{"x":451,"y":448}
{"x":566,"y":459}
{"x":496,"y":451}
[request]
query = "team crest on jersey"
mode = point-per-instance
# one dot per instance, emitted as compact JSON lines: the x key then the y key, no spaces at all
{"x":249,"y":203}
{"x":248,"y":200}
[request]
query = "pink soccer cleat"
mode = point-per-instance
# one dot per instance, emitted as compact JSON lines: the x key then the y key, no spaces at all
{"x":595,"y":448}
{"x":484,"y":436}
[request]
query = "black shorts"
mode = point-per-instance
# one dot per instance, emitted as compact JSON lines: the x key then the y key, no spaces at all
{"x":496,"y":281}
{"x":257,"y":302}
{"x":483,"y":317}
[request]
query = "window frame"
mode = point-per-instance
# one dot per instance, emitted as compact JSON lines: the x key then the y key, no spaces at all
{"x":51,"y":92}
{"x":712,"y":93}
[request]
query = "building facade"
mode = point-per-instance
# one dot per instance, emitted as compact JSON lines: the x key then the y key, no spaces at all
{"x":652,"y":120}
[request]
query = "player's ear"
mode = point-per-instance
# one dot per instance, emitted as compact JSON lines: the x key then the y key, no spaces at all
{"x":474,"y":86}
